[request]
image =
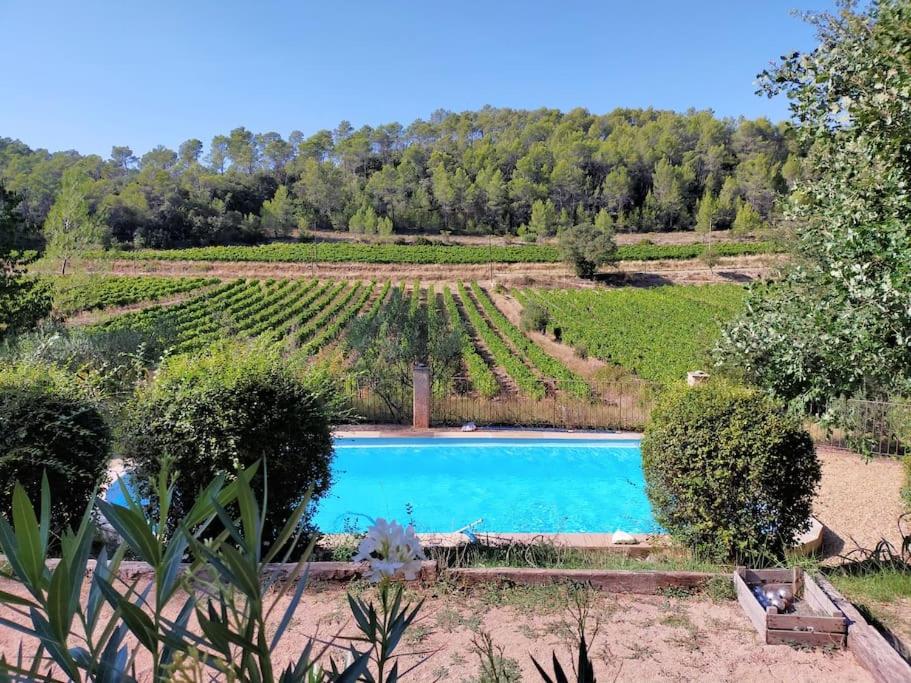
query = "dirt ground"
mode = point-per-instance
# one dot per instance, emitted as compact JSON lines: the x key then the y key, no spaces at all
{"x":859,"y":501}
{"x":635,"y":637}
{"x":731,"y":269}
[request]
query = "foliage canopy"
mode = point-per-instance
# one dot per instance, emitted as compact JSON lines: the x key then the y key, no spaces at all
{"x":838,"y":323}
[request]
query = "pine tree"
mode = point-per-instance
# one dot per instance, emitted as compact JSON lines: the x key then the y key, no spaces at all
{"x":384,"y":226}
{"x":71,"y":228}
{"x":370,"y":221}
{"x":356,"y":222}
{"x":543,"y":220}
{"x":706,"y":212}
{"x":604,"y":221}
{"x":277,"y":214}
{"x":748,"y":220}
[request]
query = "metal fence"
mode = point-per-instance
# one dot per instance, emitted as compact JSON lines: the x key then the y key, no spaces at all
{"x":565,"y":405}
{"x":868,"y":427}
{"x":385,"y":405}
{"x":865,"y":426}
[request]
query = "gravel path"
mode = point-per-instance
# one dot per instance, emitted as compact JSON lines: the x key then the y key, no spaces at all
{"x":859,"y":500}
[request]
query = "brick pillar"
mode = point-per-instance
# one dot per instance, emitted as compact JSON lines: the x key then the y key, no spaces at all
{"x":421,"y":396}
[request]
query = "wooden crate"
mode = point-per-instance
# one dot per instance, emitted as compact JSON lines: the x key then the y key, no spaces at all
{"x":818,"y":622}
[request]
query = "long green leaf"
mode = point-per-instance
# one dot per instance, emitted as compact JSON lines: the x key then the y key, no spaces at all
{"x":59,"y":607}
{"x":28,"y":536}
{"x":134,"y":529}
{"x":45,"y":524}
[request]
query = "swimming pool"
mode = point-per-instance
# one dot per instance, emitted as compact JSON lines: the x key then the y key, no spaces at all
{"x":513,"y":485}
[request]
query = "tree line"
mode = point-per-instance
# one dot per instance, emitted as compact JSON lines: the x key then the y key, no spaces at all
{"x":501,"y":171}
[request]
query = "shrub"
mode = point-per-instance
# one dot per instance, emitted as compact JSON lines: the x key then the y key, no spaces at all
{"x":728,"y":471}
{"x":534,"y":317}
{"x":585,"y":248}
{"x":51,"y":423}
{"x":223,"y":410}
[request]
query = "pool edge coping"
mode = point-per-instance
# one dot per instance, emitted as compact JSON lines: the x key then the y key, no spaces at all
{"x":396,"y":431}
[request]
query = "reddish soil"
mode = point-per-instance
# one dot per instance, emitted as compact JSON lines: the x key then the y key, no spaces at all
{"x":634,"y":637}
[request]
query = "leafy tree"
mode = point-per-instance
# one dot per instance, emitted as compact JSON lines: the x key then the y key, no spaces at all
{"x":543,"y":220}
{"x":242,"y":150}
{"x":159,"y":157}
{"x":122,"y":158}
{"x":759,"y":179}
{"x":604,"y":221}
{"x":71,"y":228}
{"x":218,"y":153}
{"x":24,"y":300}
{"x":190,"y":151}
{"x":384,"y":226}
{"x":388,"y":343}
{"x":728,"y":202}
{"x":837,"y":323}
{"x":709,"y":257}
{"x":586,"y":248}
{"x":790,"y":170}
{"x":53,"y":427}
{"x":480,"y":171}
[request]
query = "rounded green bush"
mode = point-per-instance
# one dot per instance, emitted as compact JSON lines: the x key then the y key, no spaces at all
{"x":728,"y":472}
{"x":51,"y":423}
{"x":534,"y":317}
{"x":224,"y":410}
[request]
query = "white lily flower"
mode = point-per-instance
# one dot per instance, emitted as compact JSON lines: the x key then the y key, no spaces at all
{"x":391,"y":550}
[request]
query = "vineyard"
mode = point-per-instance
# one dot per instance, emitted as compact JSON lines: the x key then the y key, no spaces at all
{"x":75,"y":294}
{"x":307,"y":315}
{"x":493,"y":371}
{"x":416,"y":254}
{"x":658,"y":333}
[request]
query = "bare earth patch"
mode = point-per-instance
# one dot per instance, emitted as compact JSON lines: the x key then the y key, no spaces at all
{"x":859,"y":500}
{"x":638,"y":638}
{"x":645,"y":273}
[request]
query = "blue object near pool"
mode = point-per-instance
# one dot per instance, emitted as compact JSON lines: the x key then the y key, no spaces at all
{"x":514,"y":485}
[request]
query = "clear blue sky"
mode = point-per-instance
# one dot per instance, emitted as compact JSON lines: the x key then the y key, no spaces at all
{"x":88,"y":75}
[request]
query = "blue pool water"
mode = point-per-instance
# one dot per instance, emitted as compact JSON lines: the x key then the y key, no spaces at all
{"x":514,"y":485}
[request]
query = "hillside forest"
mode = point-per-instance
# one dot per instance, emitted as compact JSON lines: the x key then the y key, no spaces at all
{"x":493,"y":171}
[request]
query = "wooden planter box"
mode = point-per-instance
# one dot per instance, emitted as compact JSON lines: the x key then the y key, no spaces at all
{"x":816,"y":620}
